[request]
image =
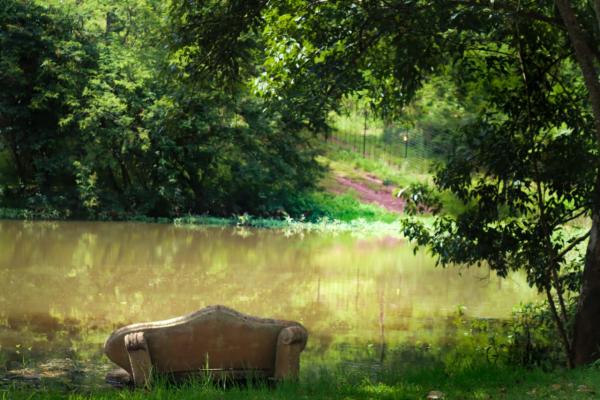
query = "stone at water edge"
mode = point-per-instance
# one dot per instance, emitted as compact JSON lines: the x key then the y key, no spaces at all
{"x":435,"y":395}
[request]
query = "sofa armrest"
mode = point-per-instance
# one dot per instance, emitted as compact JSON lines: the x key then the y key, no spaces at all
{"x":139,"y":358}
{"x":290,"y":343}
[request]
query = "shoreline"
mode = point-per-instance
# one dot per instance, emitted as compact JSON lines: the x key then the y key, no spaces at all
{"x":288,"y":224}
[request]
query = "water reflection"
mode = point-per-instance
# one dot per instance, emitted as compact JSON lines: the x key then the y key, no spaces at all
{"x":64,"y":286}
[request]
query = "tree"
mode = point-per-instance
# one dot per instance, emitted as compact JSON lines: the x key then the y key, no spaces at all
{"x":44,"y":62}
{"x":586,"y":345}
{"x":101,"y":117}
{"x":529,"y":162}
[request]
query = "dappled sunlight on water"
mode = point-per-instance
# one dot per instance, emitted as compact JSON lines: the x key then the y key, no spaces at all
{"x":65,"y":285}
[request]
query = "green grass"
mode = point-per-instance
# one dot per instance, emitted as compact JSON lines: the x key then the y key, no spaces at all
{"x":347,"y":208}
{"x":484,"y":381}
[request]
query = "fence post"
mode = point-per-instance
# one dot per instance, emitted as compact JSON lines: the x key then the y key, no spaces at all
{"x":365,"y":135}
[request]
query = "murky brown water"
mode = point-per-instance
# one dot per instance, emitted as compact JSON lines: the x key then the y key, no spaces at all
{"x":64,"y":286}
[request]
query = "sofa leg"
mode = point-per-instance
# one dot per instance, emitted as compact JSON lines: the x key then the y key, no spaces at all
{"x":139,"y":358}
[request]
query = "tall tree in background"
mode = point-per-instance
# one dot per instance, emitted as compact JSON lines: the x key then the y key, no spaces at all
{"x":526,"y":167}
{"x":45,"y":59}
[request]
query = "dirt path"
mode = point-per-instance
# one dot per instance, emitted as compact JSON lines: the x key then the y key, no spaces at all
{"x":383,"y":197}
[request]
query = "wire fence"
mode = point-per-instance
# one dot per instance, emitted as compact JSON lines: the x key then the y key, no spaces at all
{"x":392,"y":145}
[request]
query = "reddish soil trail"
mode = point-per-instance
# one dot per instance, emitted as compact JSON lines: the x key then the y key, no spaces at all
{"x":383,"y":197}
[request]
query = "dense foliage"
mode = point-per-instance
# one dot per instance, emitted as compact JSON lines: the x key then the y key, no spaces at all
{"x":44,"y":65}
{"x":99,"y":115}
{"x":525,"y":164}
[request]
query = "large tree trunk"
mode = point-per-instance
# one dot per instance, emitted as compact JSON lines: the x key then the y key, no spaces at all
{"x":586,"y":335}
{"x":597,"y":10}
{"x":584,"y":57}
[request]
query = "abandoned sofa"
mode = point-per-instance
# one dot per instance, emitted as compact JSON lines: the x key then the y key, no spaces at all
{"x":216,"y":340}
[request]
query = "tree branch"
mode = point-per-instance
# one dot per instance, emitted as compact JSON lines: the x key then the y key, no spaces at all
{"x":571,"y":246}
{"x":574,"y":216}
{"x":560,"y":324}
{"x":509,"y":7}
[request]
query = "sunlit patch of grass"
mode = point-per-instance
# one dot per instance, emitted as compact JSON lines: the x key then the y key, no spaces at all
{"x":346,"y":207}
{"x":354,"y":165}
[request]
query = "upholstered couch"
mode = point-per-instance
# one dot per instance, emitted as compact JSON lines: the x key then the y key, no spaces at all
{"x":216,"y":341}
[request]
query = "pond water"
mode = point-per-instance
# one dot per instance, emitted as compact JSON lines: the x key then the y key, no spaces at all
{"x":64,"y":286}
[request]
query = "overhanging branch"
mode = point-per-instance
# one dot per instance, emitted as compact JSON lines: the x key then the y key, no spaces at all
{"x":571,"y":246}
